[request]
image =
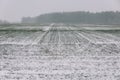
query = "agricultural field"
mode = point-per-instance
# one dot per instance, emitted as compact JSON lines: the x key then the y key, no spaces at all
{"x":60,"y":52}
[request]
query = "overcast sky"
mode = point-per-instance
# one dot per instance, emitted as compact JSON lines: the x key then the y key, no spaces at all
{"x":14,"y":10}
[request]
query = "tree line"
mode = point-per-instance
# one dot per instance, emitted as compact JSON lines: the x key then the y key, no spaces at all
{"x":80,"y":17}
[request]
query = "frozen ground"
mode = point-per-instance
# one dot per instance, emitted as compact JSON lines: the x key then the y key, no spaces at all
{"x":59,"y":52}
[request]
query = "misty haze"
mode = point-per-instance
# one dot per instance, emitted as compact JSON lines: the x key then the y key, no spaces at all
{"x":59,"y":40}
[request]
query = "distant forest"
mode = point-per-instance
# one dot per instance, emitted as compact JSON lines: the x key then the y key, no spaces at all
{"x":80,"y":17}
{"x":4,"y":22}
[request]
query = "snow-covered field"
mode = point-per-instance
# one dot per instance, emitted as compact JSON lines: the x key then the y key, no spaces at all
{"x":59,"y":52}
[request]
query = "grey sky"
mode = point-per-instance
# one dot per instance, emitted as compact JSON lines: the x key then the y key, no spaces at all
{"x":13,"y":10}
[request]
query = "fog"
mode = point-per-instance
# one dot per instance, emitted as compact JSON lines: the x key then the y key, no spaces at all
{"x":14,"y":10}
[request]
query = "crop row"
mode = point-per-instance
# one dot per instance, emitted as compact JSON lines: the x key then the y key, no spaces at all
{"x":100,"y":37}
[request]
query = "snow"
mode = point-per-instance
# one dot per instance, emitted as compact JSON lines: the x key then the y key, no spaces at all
{"x":60,"y":52}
